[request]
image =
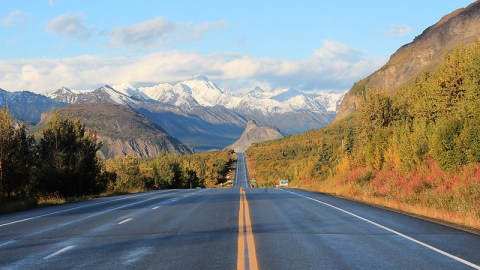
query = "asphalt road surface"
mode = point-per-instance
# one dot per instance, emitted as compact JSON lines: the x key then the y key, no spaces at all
{"x":241,"y":177}
{"x":235,"y":228}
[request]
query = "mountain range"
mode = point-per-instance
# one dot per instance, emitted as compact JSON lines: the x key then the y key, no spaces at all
{"x":197,"y":111}
{"x":27,"y":106}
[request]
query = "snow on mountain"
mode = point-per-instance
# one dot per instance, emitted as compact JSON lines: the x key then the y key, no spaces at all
{"x":156,"y":91}
{"x":204,"y":91}
{"x":301,"y":102}
{"x":104,"y":94}
{"x":286,"y":94}
{"x":114,"y":95}
{"x":64,"y":95}
{"x":330,"y":101}
{"x":298,"y":100}
{"x":251,"y":104}
{"x":27,"y":106}
{"x":130,"y":91}
{"x":200,"y":91}
{"x":257,"y":93}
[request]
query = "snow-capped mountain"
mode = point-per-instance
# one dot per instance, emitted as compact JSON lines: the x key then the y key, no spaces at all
{"x":330,"y":101}
{"x":199,"y":90}
{"x":179,"y":95}
{"x":156,"y":91}
{"x":104,"y":94}
{"x":28,"y":106}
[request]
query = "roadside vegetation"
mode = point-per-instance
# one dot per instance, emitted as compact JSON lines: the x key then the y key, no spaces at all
{"x":129,"y":174}
{"x":63,"y":165}
{"x":416,"y":149}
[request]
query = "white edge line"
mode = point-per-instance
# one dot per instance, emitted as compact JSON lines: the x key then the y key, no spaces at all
{"x":156,"y":207}
{"x":116,"y":208}
{"x":392,"y":231}
{"x":126,"y":220}
{"x":70,"y":209}
{"x":93,"y":215}
{"x":245,"y":178}
{"x":58,"y":252}
{"x":6,"y":243}
{"x":236,"y":174}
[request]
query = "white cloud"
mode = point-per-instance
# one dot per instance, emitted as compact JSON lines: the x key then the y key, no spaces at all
{"x":16,"y":19}
{"x":398,"y":31}
{"x":160,"y":32}
{"x":329,"y":67}
{"x":51,"y":3}
{"x":70,"y":25}
{"x":332,"y":49}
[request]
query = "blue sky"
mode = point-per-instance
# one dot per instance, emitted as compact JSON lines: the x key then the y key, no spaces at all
{"x":307,"y":45}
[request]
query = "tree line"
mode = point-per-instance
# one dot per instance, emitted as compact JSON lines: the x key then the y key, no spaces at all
{"x":64,"y":162}
{"x":169,"y":171}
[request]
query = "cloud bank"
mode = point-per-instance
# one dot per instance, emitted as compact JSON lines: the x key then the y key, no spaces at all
{"x":333,"y":66}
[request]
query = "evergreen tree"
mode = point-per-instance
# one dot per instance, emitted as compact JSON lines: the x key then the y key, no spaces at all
{"x":68,"y":161}
{"x":16,"y":157}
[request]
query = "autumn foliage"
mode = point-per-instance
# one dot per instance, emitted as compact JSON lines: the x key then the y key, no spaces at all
{"x":128,"y":174}
{"x":416,"y":149}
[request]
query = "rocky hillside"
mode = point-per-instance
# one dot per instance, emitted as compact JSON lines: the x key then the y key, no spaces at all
{"x":122,"y":130}
{"x":254,"y":133}
{"x":423,"y":54}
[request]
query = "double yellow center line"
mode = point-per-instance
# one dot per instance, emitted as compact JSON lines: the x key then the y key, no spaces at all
{"x":247,"y":256}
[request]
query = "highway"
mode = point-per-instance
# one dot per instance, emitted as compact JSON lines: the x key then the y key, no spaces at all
{"x":241,"y":177}
{"x":230,"y":228}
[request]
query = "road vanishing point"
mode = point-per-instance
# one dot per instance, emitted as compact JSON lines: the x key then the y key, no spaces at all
{"x":229,"y":228}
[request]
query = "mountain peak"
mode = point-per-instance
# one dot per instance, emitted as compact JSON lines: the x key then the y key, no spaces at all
{"x":257,"y":92}
{"x":200,"y":77}
{"x":61,"y":90}
{"x":287,"y":94}
{"x":254,"y":133}
{"x":250,"y":125}
{"x":107,"y":87}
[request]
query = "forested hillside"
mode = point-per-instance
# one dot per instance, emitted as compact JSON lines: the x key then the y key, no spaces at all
{"x":416,"y":149}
